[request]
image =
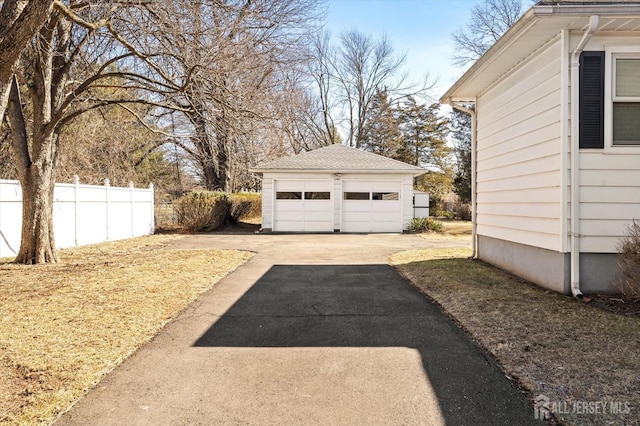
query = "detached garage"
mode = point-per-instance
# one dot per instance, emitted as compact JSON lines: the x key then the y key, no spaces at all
{"x":337,"y":189}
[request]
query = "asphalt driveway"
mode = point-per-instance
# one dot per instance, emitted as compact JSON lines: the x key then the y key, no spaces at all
{"x":315,"y":329}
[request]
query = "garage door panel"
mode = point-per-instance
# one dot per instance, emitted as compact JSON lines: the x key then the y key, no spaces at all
{"x":355,"y":227}
{"x":290,"y":216}
{"x":356,"y":206}
{"x":301,"y":215}
{"x":356,"y":186}
{"x":289,"y":185}
{"x":384,"y":216}
{"x":317,"y":206}
{"x":315,"y":216}
{"x":319,"y":186}
{"x":289,"y":226}
{"x":381,"y":213}
{"x":351,"y":216}
{"x":385,"y":206}
{"x":385,"y":186}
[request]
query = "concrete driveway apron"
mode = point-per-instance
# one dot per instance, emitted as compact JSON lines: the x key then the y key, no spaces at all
{"x":314,"y":329}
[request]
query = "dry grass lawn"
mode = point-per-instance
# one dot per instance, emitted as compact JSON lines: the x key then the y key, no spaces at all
{"x":64,"y":326}
{"x":451,"y":229}
{"x":554,"y":345}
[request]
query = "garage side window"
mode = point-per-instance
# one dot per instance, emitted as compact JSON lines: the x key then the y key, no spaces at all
{"x":356,"y":196}
{"x":385,"y":196}
{"x":317,"y":195}
{"x":284,"y":195}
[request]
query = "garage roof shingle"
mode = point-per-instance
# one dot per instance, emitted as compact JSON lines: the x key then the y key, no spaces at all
{"x":338,"y":158}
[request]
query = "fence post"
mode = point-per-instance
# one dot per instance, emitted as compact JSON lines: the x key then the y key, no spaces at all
{"x":151,"y":209}
{"x":107,"y":184}
{"x":131,"y":197}
{"x":76,"y":192}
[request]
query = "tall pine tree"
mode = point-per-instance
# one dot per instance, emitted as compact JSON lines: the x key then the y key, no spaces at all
{"x":382,"y":133}
{"x":424,"y":136}
{"x":461,"y":137}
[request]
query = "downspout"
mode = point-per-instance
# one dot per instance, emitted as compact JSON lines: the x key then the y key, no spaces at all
{"x":474,"y":214}
{"x":575,"y":158}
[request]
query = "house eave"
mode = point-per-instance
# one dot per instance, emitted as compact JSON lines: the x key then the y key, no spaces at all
{"x":552,"y":19}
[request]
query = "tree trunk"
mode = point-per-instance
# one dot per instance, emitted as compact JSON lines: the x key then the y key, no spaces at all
{"x":37,"y":179}
{"x":223,"y":163}
{"x":37,"y":243}
{"x":19,"y":22}
{"x":210,"y":176}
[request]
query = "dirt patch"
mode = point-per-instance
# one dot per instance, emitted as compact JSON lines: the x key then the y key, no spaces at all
{"x":617,"y":304}
{"x":556,"y":347}
{"x":64,"y":326}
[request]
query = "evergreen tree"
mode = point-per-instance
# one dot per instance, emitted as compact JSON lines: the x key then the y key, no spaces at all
{"x":424,"y":143}
{"x":382,"y":134}
{"x":424,"y":136}
{"x":461,"y":137}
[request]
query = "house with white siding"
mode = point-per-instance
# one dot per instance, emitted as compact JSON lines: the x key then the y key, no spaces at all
{"x":556,"y":143}
{"x":337,"y":189}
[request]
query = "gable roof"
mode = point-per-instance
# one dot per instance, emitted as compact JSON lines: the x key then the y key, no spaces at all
{"x":338,"y":158}
{"x":540,"y":24}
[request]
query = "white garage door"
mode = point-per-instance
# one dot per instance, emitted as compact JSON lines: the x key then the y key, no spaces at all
{"x":371,"y":206}
{"x":303,"y":206}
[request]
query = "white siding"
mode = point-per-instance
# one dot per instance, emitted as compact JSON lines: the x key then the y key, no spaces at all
{"x":337,"y":204}
{"x":519,"y":154}
{"x":609,"y":178}
{"x":609,"y":198}
{"x":267,"y":202}
{"x":407,"y":202}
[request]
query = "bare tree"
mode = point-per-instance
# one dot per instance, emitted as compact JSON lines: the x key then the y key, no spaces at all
{"x":81,"y":59}
{"x":347,"y":77}
{"x":321,"y":70}
{"x":363,"y":66}
{"x":489,"y":20}
{"x":20,"y":20}
{"x":242,"y":53}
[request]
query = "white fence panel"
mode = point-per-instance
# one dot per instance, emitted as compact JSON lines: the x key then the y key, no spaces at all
{"x":82,"y":214}
{"x":10,"y":210}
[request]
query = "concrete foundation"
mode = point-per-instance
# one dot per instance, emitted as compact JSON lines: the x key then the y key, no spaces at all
{"x":551,"y":269}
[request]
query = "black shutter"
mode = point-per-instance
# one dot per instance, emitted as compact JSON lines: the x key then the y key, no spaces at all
{"x":591,"y":100}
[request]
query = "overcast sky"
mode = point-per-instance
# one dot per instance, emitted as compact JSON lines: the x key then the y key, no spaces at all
{"x":420,"y":28}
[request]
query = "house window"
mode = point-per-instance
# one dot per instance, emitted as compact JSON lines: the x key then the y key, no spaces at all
{"x":626,"y":101}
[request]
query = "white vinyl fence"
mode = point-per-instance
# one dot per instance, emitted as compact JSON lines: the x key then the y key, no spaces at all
{"x":82,"y":214}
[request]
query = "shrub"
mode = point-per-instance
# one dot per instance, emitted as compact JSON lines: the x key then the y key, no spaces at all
{"x":244,"y":205}
{"x":424,"y":224}
{"x":629,"y":262}
{"x":462,"y":211}
{"x":202,"y":211}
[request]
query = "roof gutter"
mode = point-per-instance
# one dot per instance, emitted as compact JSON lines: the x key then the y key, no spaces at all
{"x":575,"y":157}
{"x":619,"y":9}
{"x":474,"y":211}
